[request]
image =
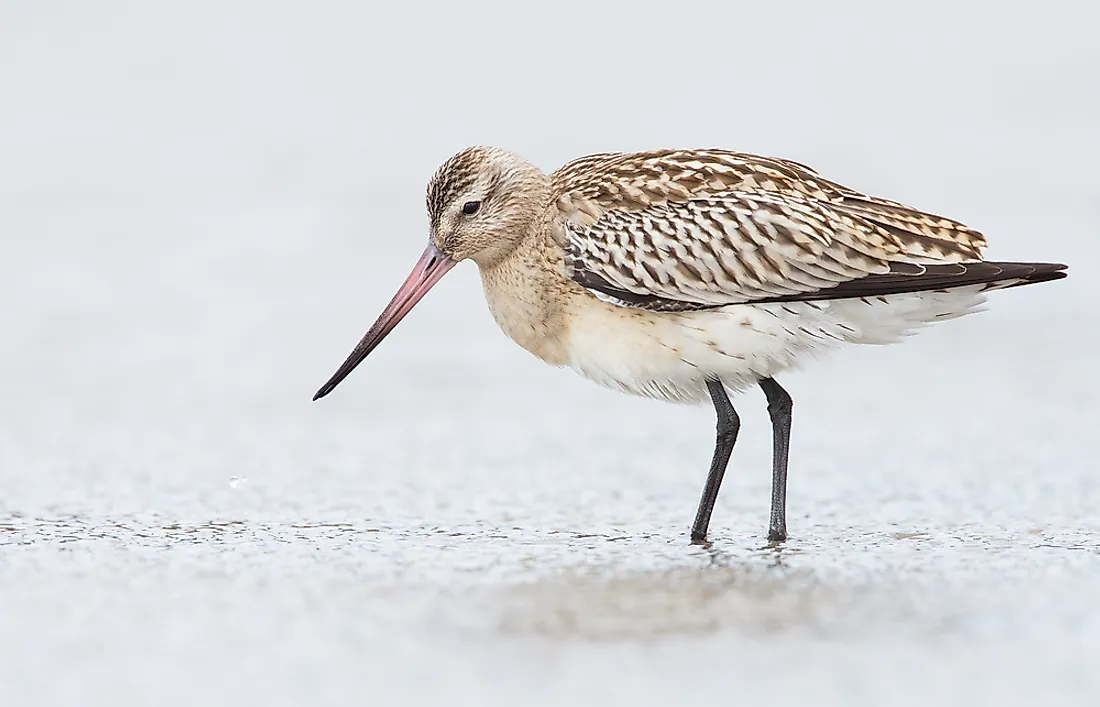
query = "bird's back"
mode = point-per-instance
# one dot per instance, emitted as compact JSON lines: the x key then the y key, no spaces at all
{"x":590,"y":186}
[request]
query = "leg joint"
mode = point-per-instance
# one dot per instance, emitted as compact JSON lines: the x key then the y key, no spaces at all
{"x":728,"y":427}
{"x":779,"y":400}
{"x":781,"y":407}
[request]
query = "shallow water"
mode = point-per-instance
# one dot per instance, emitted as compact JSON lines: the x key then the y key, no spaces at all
{"x":197,"y":232}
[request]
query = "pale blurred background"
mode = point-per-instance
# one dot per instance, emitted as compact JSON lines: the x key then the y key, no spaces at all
{"x":203,"y":205}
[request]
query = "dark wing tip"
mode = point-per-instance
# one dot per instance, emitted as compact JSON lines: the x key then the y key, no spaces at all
{"x":904,"y":278}
{"x":1042,"y":272}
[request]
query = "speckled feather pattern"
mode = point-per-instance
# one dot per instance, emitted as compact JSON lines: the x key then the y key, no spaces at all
{"x":712,"y":227}
{"x":588,"y":187}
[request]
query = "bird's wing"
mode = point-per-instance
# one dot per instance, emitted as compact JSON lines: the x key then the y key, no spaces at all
{"x":692,"y":229}
{"x":745,"y":247}
{"x":588,"y":187}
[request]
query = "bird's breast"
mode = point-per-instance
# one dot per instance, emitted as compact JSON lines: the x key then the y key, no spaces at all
{"x":527,"y":301}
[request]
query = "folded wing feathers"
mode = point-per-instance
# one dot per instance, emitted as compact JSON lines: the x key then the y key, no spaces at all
{"x":691,"y":229}
{"x":628,"y":181}
{"x":740,"y":248}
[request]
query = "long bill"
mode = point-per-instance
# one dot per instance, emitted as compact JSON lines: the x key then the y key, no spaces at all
{"x":431,"y":267}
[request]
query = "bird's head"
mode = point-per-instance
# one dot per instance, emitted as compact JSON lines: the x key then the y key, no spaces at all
{"x":481,"y":203}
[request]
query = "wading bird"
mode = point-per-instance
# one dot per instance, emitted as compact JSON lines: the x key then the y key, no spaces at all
{"x":682,"y":274}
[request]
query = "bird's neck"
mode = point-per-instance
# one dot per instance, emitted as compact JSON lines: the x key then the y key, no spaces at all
{"x":528,"y":294}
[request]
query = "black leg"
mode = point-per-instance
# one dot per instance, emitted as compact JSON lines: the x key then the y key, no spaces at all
{"x":728,"y":425}
{"x":779,"y":407}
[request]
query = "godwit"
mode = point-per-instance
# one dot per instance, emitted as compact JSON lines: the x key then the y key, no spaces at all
{"x":681,"y":274}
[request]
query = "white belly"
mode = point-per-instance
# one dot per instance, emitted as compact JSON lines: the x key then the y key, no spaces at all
{"x":670,"y":356}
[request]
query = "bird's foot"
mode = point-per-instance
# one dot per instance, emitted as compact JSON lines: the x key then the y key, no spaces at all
{"x":699,"y":540}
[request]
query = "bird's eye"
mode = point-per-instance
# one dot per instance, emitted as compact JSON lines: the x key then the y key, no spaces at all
{"x":470,"y":207}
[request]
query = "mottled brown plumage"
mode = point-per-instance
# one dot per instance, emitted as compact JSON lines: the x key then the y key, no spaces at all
{"x":631,"y":181}
{"x":692,"y":229}
{"x":679,"y":274}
